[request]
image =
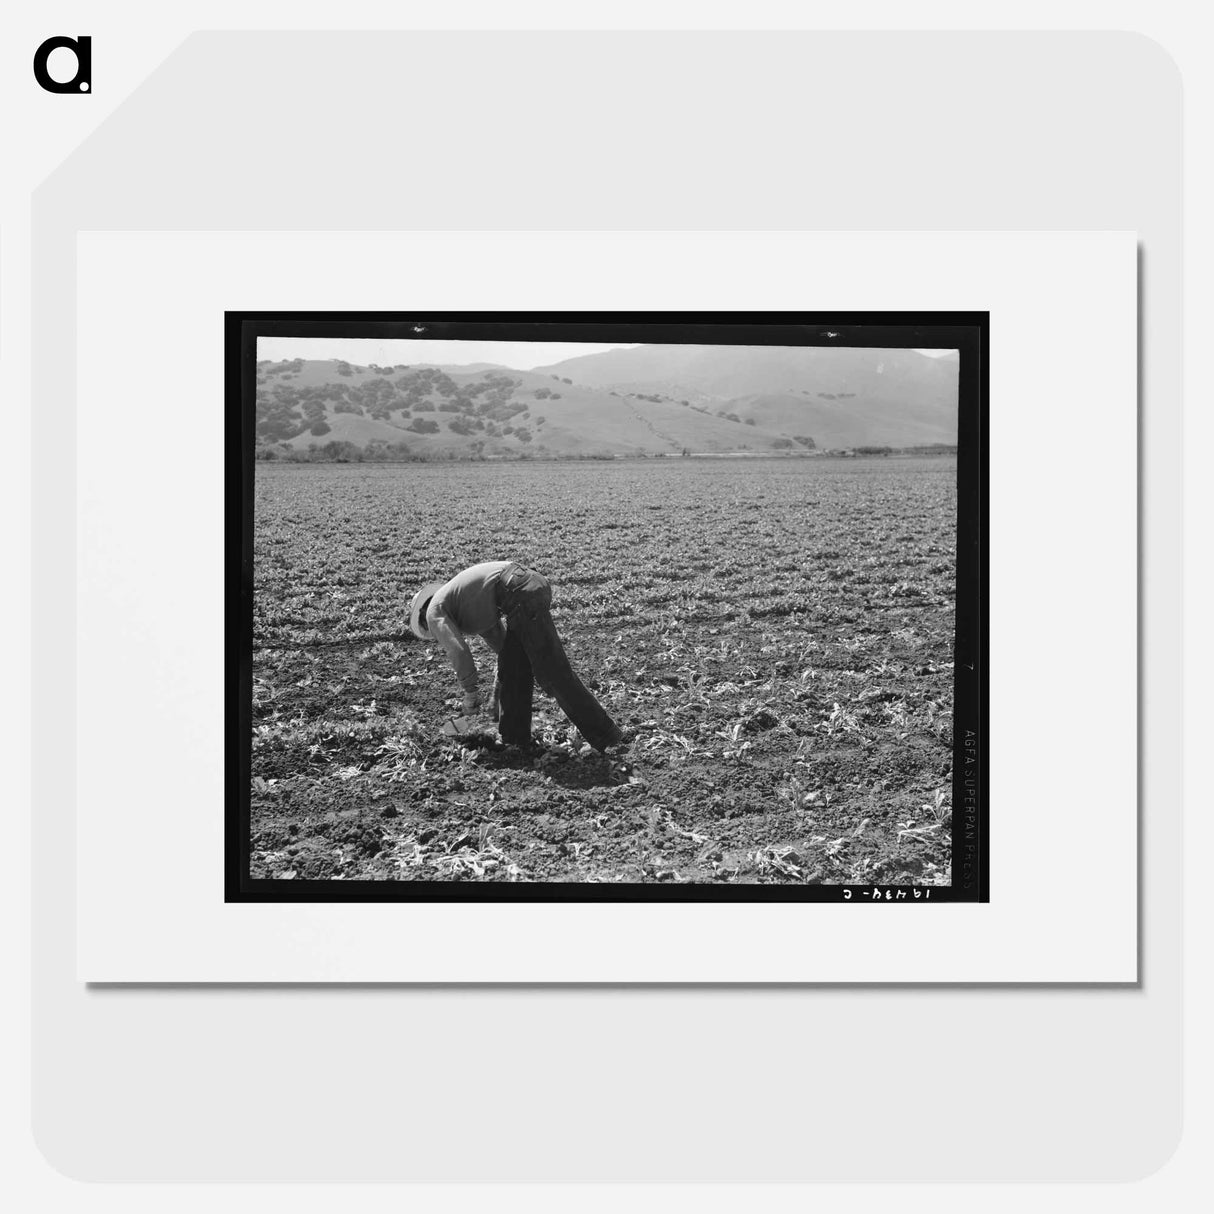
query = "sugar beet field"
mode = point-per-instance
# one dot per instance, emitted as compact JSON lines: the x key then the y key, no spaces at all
{"x":777,"y":633}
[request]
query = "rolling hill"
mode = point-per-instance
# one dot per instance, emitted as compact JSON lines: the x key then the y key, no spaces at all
{"x":702,"y":399}
{"x":457,"y":412}
{"x":843,"y":397}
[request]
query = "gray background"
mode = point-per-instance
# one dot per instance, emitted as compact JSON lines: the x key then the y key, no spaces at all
{"x":621,"y":131}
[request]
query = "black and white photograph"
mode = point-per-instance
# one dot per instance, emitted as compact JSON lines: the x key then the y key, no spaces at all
{"x":616,"y":607}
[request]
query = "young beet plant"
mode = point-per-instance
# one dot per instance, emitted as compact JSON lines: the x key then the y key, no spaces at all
{"x":938,"y":811}
{"x":736,"y":747}
{"x":839,"y":721}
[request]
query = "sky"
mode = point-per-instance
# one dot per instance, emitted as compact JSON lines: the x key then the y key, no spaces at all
{"x":518,"y":355}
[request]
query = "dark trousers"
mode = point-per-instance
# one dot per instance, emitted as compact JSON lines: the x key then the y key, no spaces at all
{"x":533,"y":653}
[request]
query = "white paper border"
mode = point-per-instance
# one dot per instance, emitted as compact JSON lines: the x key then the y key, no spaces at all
{"x":150,"y":683}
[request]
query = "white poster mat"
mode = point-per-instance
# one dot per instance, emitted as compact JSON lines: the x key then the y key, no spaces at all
{"x":150,"y":606}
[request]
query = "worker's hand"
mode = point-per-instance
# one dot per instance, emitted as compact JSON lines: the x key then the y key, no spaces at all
{"x":496,"y":708}
{"x":472,"y":703}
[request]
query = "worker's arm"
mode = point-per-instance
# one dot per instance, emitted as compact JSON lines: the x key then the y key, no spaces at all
{"x":495,"y":638}
{"x":460,"y":656}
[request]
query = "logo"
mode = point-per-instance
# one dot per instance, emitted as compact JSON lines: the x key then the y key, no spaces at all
{"x":82,"y":81}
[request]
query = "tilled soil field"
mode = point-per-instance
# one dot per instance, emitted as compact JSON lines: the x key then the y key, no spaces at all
{"x":775,"y":636}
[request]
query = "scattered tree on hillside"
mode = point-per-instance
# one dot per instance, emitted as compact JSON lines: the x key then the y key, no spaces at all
{"x":501,"y":412}
{"x":287,"y":367}
{"x":340,"y":452}
{"x":276,"y":429}
{"x":380,"y":450}
{"x":320,"y":428}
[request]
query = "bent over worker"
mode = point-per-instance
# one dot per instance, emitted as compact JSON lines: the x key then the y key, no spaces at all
{"x":528,"y":649}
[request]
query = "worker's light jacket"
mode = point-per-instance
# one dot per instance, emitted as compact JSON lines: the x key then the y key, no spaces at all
{"x":465,"y":605}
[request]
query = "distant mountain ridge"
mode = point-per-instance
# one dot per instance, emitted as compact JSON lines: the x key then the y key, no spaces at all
{"x":647,"y":400}
{"x":843,"y":396}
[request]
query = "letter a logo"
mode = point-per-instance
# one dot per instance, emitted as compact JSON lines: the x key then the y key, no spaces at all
{"x":82,"y":81}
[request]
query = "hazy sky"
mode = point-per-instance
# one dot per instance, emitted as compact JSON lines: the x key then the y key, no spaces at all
{"x":519,"y":355}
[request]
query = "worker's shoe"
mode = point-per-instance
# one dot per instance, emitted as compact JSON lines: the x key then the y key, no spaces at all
{"x":624,"y":739}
